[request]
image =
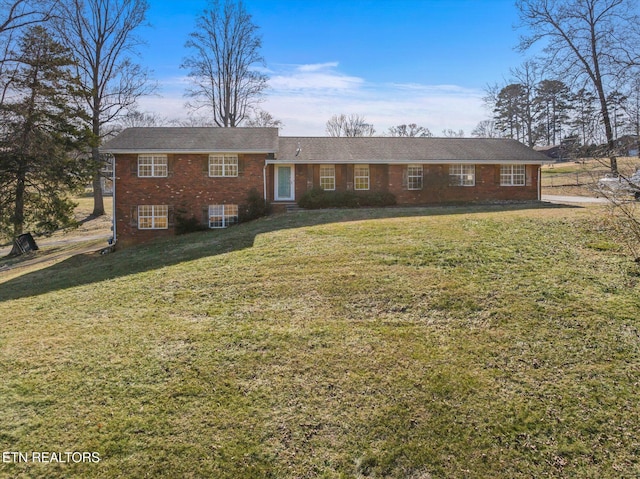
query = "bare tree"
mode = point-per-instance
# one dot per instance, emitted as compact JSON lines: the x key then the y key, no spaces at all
{"x":527,"y":77}
{"x":226,"y":51}
{"x":409,"y":130}
{"x":449,"y":133}
{"x":101,"y":36}
{"x":15,"y":15}
{"x":351,"y":126}
{"x":486,"y":129}
{"x":261,"y":118}
{"x":592,"y":40}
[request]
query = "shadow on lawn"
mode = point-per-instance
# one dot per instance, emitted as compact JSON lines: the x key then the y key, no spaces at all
{"x":91,"y":268}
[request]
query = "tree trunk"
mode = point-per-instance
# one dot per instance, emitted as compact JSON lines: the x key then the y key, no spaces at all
{"x":98,"y":201}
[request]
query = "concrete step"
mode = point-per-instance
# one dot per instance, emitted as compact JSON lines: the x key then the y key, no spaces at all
{"x":293,"y":208}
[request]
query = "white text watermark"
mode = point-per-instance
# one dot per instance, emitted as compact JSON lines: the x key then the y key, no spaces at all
{"x":50,"y":457}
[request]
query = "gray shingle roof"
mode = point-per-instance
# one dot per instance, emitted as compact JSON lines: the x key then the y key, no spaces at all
{"x":193,"y":140}
{"x":404,"y":150}
{"x":320,"y":149}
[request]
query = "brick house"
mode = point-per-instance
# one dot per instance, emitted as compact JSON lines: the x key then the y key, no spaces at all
{"x":207,"y":173}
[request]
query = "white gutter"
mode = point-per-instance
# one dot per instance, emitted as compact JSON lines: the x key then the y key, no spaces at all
{"x":168,"y":151}
{"x":113,"y":199}
{"x":264,"y":180}
{"x":405,"y":162}
{"x":540,"y":184}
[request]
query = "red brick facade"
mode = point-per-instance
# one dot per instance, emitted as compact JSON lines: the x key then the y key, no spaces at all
{"x":436,"y":188}
{"x":187,"y":190}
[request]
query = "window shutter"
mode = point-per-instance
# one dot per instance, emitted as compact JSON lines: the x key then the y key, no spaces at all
{"x":405,"y":178}
{"x":133,"y":219}
{"x":205,"y":216}
{"x":241,"y":162}
{"x":527,"y":175}
{"x":171,"y":164}
{"x":205,"y":166}
{"x":496,"y":174}
{"x":170,"y":216}
{"x":134,"y":167}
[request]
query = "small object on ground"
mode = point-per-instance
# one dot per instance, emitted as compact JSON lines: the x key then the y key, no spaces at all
{"x":23,"y":244}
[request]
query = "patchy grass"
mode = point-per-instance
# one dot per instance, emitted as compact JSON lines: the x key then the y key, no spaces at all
{"x":419,"y":343}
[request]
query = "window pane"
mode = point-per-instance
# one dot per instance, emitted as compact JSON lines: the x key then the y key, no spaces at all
{"x":462,"y":175}
{"x":328,"y":177}
{"x":361,"y":177}
{"x":414,"y":177}
{"x":223,"y":165}
{"x":149,"y":166}
{"x":231,"y":166}
{"x":221,"y":216}
{"x":215,"y":166}
{"x":153,"y":217}
{"x":512,"y":175}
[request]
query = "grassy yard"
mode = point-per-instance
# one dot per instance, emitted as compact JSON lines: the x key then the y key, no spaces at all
{"x":405,"y":343}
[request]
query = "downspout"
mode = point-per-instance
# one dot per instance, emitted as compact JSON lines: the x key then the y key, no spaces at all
{"x":264,"y":180}
{"x":539,"y":182}
{"x":113,"y":199}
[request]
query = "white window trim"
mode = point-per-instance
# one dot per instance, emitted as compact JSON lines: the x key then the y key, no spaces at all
{"x":511,"y":174}
{"x":155,"y":214}
{"x":229,"y":164}
{"x":417,"y":178}
{"x":462,"y":175}
{"x":331,"y":176}
{"x":228,"y":214}
{"x":361,"y":177}
{"x":157,"y":161}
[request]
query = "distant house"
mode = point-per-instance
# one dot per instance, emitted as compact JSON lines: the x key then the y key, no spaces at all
{"x":207,"y":173}
{"x":627,"y":145}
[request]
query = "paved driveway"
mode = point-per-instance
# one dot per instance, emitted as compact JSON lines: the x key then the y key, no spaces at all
{"x":573,"y":199}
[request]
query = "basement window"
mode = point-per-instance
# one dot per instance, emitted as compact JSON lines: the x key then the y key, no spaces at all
{"x":221,"y":216}
{"x":153,"y":217}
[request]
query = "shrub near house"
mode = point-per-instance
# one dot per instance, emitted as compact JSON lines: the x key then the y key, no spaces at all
{"x":205,"y":175}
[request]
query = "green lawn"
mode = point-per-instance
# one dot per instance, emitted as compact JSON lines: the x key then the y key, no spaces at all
{"x":445,"y":342}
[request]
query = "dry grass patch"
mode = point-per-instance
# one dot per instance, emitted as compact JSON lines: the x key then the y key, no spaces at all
{"x":443,"y":342}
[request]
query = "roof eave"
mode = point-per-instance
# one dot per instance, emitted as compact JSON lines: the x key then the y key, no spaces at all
{"x":296,"y":161}
{"x":129,"y":151}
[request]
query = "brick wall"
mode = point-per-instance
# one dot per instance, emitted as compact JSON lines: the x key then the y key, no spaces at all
{"x":436,"y":188}
{"x":187,"y":190}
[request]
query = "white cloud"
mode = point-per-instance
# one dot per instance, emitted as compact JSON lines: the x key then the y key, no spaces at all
{"x":314,"y":67}
{"x":318,"y":76}
{"x":304,"y":97}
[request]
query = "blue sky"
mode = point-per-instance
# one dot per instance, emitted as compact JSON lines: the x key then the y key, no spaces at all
{"x":391,"y":61}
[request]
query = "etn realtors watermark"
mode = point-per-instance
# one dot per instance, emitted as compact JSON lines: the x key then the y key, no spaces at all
{"x":50,"y":457}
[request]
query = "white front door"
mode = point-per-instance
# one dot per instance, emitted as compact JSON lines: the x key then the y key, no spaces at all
{"x":284,"y":183}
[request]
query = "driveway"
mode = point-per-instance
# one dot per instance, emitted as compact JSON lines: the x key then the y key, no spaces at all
{"x":573,"y":199}
{"x":5,"y":250}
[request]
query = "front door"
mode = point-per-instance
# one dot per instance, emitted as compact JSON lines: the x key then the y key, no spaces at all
{"x":284,"y":184}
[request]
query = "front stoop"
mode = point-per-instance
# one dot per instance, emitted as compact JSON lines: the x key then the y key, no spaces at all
{"x":285,"y":207}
